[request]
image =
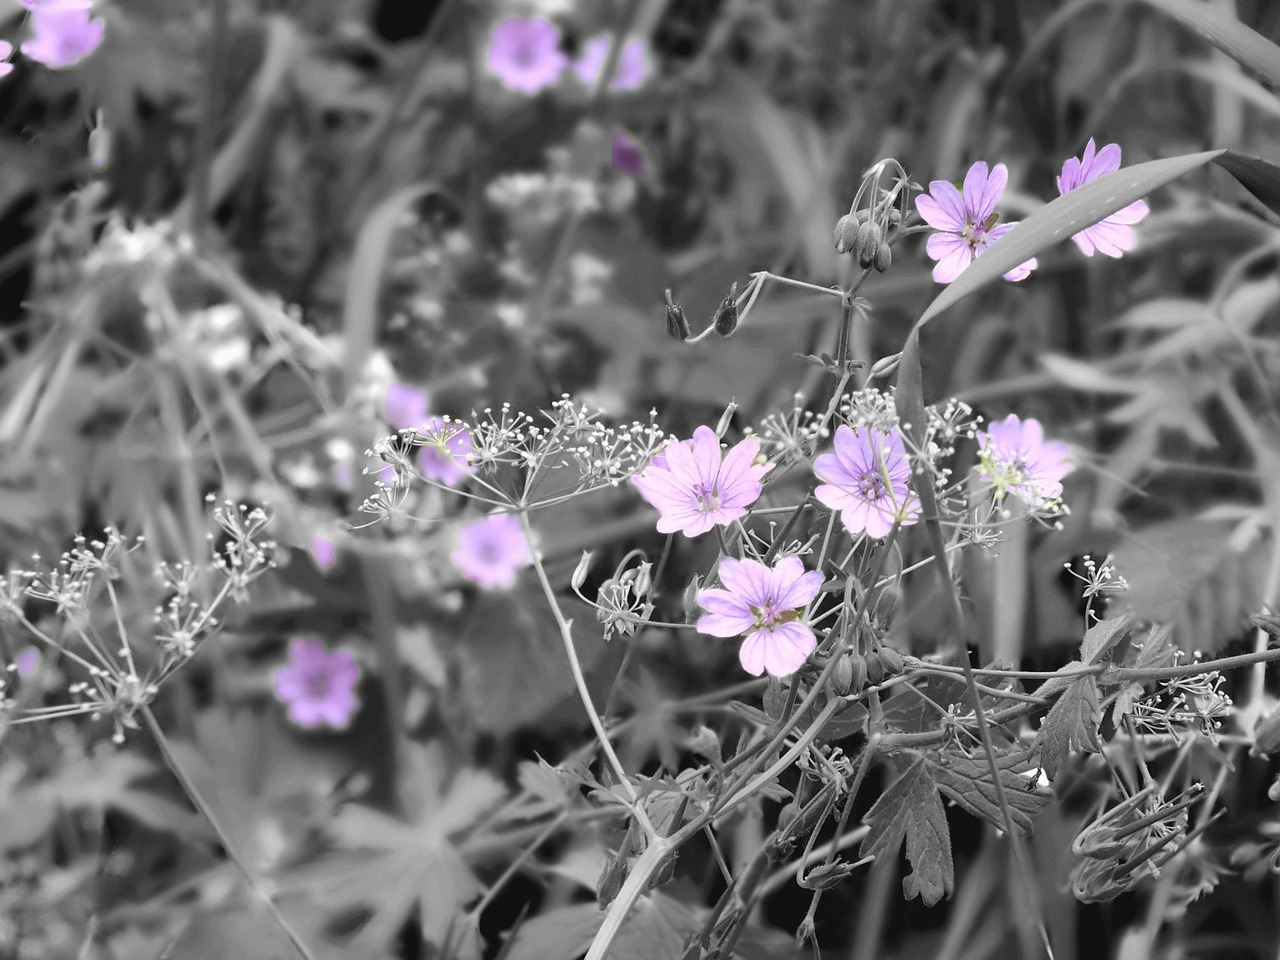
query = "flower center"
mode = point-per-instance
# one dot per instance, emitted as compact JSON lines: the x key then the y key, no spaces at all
{"x":317,"y":686}
{"x":767,"y":616}
{"x":872,"y":487}
{"x":708,"y":498}
{"x":525,"y":55}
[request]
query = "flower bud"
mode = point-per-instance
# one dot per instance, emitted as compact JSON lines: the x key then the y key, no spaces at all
{"x":705,"y":743}
{"x":891,"y":659}
{"x":726,"y":418}
{"x":99,"y":145}
{"x":1274,"y":792}
{"x":868,"y":242}
{"x":643,"y":579}
{"x":859,"y":665}
{"x":580,"y":571}
{"x":842,"y":676}
{"x":875,"y":670}
{"x":787,"y":816}
{"x":894,"y":216}
{"x":611,"y":880}
{"x":846,"y":235}
{"x":884,"y":257}
{"x":1266,"y":734}
{"x":726,"y":317}
{"x":677,"y":324}
{"x":885,"y":366}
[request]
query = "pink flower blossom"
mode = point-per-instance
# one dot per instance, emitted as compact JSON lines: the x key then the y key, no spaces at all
{"x":764,"y":604}
{"x":1114,"y":235}
{"x":865,"y":478}
{"x":62,"y":36}
{"x":318,"y":686}
{"x":633,"y":63}
{"x":967,"y":223}
{"x":52,"y":6}
{"x":1014,"y":456}
{"x":694,"y":490}
{"x":405,"y":406}
{"x":525,"y":54}
{"x":626,"y":155}
{"x":27,"y":662}
{"x":323,"y":551}
{"x":6,"y":51}
{"x":491,"y":550}
{"x":444,"y":458}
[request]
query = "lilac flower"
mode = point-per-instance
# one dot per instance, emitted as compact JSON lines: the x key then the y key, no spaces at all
{"x":27,"y":662}
{"x":490,"y":550}
{"x":1015,"y":457}
{"x":323,"y":551}
{"x":967,"y":222}
{"x":62,"y":36}
{"x":764,"y":604}
{"x":694,"y":490}
{"x":318,"y":686}
{"x":1114,"y":235}
{"x":525,"y":54}
{"x":865,"y":478}
{"x":444,"y":458}
{"x":405,"y":406}
{"x":632,"y":69}
{"x":627,"y":155}
{"x":52,"y":6}
{"x":6,"y":51}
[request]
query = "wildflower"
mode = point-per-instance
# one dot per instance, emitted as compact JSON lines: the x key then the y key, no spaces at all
{"x":27,"y":662}
{"x":323,"y":552}
{"x":62,"y":36}
{"x":632,"y":69}
{"x":1015,"y":457}
{"x":967,"y":222}
{"x":491,"y":550}
{"x":1114,"y":235}
{"x":865,"y":478}
{"x":318,"y":686}
{"x":405,"y":406}
{"x":525,"y":54}
{"x":694,"y":490}
{"x":6,"y":51}
{"x":444,"y":455}
{"x":763,"y":603}
{"x":626,"y":155}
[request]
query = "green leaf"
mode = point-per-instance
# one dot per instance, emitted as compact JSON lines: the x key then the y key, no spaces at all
{"x":1102,"y":636}
{"x":967,"y":781}
{"x":911,"y":810}
{"x":1072,"y":724}
{"x":1241,"y":43}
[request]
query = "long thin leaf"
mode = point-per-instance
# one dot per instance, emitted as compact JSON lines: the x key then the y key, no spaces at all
{"x":1241,"y":43}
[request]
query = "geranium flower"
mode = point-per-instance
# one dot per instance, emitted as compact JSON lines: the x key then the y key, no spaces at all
{"x":525,"y":54}
{"x":765,"y":604}
{"x":62,"y":36}
{"x":865,"y":478}
{"x":444,"y":457}
{"x":323,"y":551}
{"x":626,"y":155}
{"x":1114,"y":235}
{"x":967,"y":222}
{"x":491,"y":550}
{"x":1014,"y":456}
{"x":318,"y":686}
{"x":694,"y":490}
{"x":405,"y":406}
{"x":632,"y":69}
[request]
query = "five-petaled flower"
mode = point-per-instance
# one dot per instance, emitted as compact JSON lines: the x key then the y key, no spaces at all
{"x":491,"y":550}
{"x":525,"y":54}
{"x":1115,"y":234}
{"x":633,"y":63}
{"x":764,"y":604}
{"x":865,"y":478}
{"x":694,"y":490}
{"x":443,"y":456}
{"x":1015,"y":457}
{"x":967,"y":222}
{"x":62,"y":36}
{"x":318,"y":686}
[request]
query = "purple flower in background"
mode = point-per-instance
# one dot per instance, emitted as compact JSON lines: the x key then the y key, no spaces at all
{"x":318,"y":686}
{"x":763,"y":603}
{"x":525,"y":54}
{"x":865,"y":478}
{"x":627,"y":155}
{"x":444,"y":457}
{"x":491,"y":550}
{"x":48,"y":6}
{"x":967,"y":222}
{"x":6,"y":51}
{"x":1114,"y":235}
{"x":405,"y":406}
{"x":1015,"y":456}
{"x":694,"y":490}
{"x":27,"y":662}
{"x":633,"y":63}
{"x":62,"y":37}
{"x":323,"y":551}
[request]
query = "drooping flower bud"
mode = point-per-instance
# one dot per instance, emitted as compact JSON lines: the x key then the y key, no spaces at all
{"x":868,"y":243}
{"x":842,"y":676}
{"x":580,"y":571}
{"x":99,"y":145}
{"x":726,"y":318}
{"x":884,"y":257}
{"x":846,"y":235}
{"x":677,"y":324}
{"x":891,"y":660}
{"x":726,"y":418}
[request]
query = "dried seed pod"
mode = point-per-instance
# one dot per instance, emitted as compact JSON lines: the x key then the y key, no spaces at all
{"x":677,"y":323}
{"x":726,"y":316}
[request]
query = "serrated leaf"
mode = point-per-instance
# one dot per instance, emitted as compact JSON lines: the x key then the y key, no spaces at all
{"x":967,"y":781}
{"x":911,"y":810}
{"x":1102,"y":636}
{"x":1072,"y":724}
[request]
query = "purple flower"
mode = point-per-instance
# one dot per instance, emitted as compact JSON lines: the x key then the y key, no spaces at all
{"x":318,"y":686}
{"x":53,"y":6}
{"x":525,"y":54}
{"x":967,"y":222}
{"x":633,"y":63}
{"x":62,"y":36}
{"x":491,"y":550}
{"x":444,"y":458}
{"x":1015,"y":456}
{"x":764,"y":604}
{"x":627,"y":155}
{"x":6,"y":51}
{"x":27,"y":662}
{"x":1114,"y":235}
{"x":694,"y":490}
{"x":405,"y":406}
{"x":865,"y":478}
{"x":323,"y":552}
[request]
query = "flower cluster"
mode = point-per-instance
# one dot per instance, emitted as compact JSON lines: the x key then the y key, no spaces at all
{"x":526,"y":55}
{"x":63,"y":32}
